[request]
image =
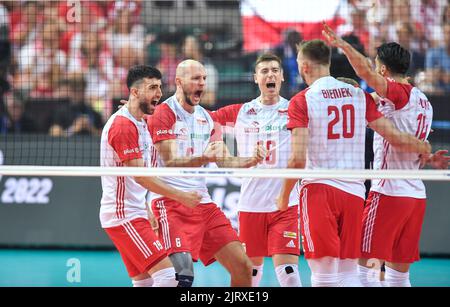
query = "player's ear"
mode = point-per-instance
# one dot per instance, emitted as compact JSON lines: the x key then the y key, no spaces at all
{"x":134,"y":91}
{"x":383,"y":70}
{"x":255,"y":79}
{"x":178,"y":81}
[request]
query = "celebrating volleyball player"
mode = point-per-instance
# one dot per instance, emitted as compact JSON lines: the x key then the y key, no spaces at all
{"x":184,"y":136}
{"x":264,"y":229}
{"x":328,"y":122}
{"x":395,"y":209}
{"x":126,"y":142}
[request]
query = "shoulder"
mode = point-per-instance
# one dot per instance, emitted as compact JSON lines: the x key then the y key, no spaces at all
{"x":301,"y":96}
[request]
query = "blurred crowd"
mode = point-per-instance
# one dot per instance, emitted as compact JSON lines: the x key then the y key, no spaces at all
{"x":422,"y":26}
{"x":51,"y":50}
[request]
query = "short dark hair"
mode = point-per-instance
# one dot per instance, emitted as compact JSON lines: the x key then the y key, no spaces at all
{"x":316,"y":50}
{"x":267,"y":57}
{"x":396,"y":58}
{"x":139,"y":72}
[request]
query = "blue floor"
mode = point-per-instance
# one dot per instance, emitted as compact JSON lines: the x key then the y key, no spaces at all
{"x":104,"y":268}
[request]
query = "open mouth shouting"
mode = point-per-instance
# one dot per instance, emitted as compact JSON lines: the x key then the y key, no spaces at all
{"x":197,"y":95}
{"x":271,"y":85}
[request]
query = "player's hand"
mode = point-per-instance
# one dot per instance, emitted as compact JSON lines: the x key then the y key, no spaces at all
{"x":439,"y":160}
{"x":331,"y":37}
{"x":190,"y":199}
{"x":260,"y":153}
{"x":282,"y":204}
{"x":213,"y":151}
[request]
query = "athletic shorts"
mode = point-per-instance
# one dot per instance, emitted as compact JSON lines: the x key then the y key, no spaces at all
{"x":392,"y":227}
{"x":330,"y":222}
{"x":270,"y":233}
{"x":202,"y":230}
{"x":138,"y":245}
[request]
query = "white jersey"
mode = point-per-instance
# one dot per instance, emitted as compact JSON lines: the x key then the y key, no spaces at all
{"x":123,"y":139}
{"x":411,"y":112}
{"x":192,"y":133}
{"x":255,"y":123}
{"x":336,"y":115}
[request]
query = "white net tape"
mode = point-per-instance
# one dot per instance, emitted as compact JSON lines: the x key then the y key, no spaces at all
{"x":14,"y":170}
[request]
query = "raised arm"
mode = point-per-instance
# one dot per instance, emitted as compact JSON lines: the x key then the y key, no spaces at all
{"x":359,"y":62}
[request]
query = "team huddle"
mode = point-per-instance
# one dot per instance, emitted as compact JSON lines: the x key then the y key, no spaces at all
{"x":345,"y":237}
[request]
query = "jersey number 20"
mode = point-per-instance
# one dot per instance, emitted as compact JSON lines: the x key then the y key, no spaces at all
{"x":348,"y":121}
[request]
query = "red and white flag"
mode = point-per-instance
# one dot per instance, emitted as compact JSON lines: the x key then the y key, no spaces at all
{"x":264,"y":21}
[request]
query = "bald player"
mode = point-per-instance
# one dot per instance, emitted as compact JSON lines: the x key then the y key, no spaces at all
{"x":183,"y":134}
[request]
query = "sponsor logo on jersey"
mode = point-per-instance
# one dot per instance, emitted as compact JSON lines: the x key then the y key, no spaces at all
{"x":291,"y":244}
{"x":282,"y":111}
{"x":252,"y":111}
{"x":160,"y":132}
{"x":130,"y":151}
{"x":290,"y":234}
{"x":182,"y":134}
{"x":251,"y":130}
{"x":178,"y":118}
{"x":275,"y":127}
{"x":202,"y":121}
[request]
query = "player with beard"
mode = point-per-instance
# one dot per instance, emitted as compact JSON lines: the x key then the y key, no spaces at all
{"x":184,"y":136}
{"x":126,"y":142}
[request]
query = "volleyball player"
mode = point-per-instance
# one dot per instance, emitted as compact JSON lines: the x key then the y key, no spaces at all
{"x":264,"y":229}
{"x":126,"y":142}
{"x":395,"y":209}
{"x":328,"y":122}
{"x":184,"y":136}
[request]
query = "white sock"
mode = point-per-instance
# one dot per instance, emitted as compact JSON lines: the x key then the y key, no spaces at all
{"x":148,"y":282}
{"x":324,"y":280}
{"x":288,"y":275}
{"x":165,"y":278}
{"x":348,"y":273}
{"x":369,"y":277}
{"x":397,"y":279}
{"x":257,"y":274}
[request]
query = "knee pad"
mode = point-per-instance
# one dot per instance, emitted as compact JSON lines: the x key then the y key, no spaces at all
{"x":184,"y":268}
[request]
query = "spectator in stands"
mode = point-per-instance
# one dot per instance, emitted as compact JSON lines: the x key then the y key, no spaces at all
{"x":92,"y":19}
{"x":79,"y":118}
{"x":356,"y":26}
{"x":406,"y":38}
{"x":26,"y":17}
{"x":170,"y":58}
{"x":192,"y":50}
{"x":5,"y":48}
{"x":41,"y":62}
{"x":427,"y":15}
{"x":13,"y":118}
{"x":287,"y":52}
{"x":95,"y":63}
{"x":126,"y":35}
{"x":437,"y":65}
